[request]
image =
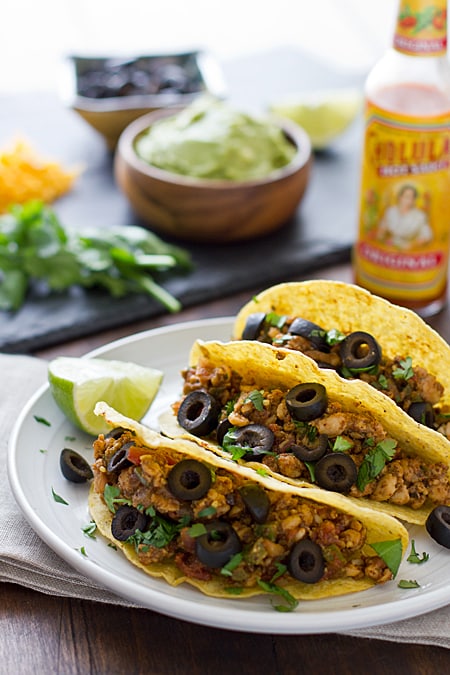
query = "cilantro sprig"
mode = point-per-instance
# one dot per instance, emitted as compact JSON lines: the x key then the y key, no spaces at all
{"x":405,"y":370}
{"x":37,"y":250}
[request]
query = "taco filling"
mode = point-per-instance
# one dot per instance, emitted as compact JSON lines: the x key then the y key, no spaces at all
{"x":228,"y":530}
{"x":304,"y":426}
{"x":356,"y":355}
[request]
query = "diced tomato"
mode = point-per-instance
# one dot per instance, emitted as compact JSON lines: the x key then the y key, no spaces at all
{"x":135,"y":453}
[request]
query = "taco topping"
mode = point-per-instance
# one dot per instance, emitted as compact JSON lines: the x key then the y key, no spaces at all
{"x":356,"y":355}
{"x":208,"y":521}
{"x":301,"y":434}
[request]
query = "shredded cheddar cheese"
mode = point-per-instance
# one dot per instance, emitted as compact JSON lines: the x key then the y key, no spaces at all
{"x":25,"y":176}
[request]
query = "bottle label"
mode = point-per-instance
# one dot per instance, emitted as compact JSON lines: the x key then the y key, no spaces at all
{"x":403,"y":241}
{"x":421,"y":28}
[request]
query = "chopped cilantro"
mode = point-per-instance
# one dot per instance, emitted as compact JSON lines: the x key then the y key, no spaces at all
{"x":262,"y":472}
{"x":111,"y":496}
{"x":391,"y":552}
{"x":227,"y":569}
{"x":414,"y":557}
{"x":238,"y":451}
{"x":383,"y":381}
{"x":411,"y":583}
{"x":312,"y":470}
{"x":405,"y":370}
{"x":90,"y":529}
{"x":374,"y":462}
{"x":59,"y":499}
{"x":42,"y":420}
{"x":159,"y":533}
{"x":82,"y":551}
{"x":291,"y":602}
{"x":257,"y":398}
{"x":334,"y":336}
{"x":352,"y":372}
{"x":234,"y":590}
{"x":197,"y":530}
{"x":209,"y":511}
{"x":70,"y":438}
{"x":275,"y":320}
{"x":42,"y":451}
{"x":281,"y":569}
{"x":341,"y":444}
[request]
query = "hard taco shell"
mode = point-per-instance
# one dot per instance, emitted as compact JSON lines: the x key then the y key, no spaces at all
{"x":379,"y":527}
{"x":348,"y":308}
{"x":267,"y":367}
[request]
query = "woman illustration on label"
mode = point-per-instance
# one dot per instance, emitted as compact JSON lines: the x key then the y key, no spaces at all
{"x":404,"y":225}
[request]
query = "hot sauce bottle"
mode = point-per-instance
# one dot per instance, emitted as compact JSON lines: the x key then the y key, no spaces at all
{"x":402,"y":247}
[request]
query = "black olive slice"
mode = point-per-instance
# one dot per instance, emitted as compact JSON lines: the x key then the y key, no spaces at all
{"x":336,"y":471}
{"x":307,"y":401}
{"x":359,"y":350}
{"x":257,"y":438}
{"x":422,"y":412}
{"x":198,"y":413}
{"x":218,"y":545}
{"x":126,"y":521}
{"x":74,"y":467}
{"x":115,"y":433}
{"x":312,"y":332}
{"x":222,"y":428}
{"x":438,"y":525}
{"x":119,"y":459}
{"x":256,"y":500}
{"x":306,"y":562}
{"x":253,"y":326}
{"x":313,"y":452}
{"x":189,"y":479}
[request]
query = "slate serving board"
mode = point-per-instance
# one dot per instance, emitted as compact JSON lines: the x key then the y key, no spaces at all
{"x":321,"y":233}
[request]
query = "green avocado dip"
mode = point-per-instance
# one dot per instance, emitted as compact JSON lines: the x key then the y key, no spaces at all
{"x":210,"y":140}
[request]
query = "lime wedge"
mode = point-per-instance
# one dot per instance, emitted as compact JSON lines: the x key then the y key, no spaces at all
{"x":323,"y":114}
{"x":77,"y":384}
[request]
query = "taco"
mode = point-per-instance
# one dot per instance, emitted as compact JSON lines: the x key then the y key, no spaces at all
{"x":360,"y":335}
{"x":278,"y":410}
{"x":183,"y":514}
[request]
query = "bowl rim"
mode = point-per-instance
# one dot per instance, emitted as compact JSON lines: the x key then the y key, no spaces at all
{"x":125,"y":148}
{"x":210,"y":74}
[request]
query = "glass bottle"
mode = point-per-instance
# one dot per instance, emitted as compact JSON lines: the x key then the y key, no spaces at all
{"x":402,"y":247}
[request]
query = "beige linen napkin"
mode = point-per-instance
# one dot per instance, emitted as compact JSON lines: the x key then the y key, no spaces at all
{"x":26,"y":560}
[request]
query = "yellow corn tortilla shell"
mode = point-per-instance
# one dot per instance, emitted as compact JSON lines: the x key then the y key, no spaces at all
{"x":267,"y":367}
{"x":347,"y":307}
{"x":379,"y":527}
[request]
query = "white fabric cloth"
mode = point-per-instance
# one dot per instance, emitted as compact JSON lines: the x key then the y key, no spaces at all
{"x":26,"y":560}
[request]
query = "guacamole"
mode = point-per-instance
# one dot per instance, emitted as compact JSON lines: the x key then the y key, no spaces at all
{"x":211,"y":140}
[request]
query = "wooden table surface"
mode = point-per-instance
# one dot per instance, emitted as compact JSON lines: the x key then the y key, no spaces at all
{"x":44,"y":634}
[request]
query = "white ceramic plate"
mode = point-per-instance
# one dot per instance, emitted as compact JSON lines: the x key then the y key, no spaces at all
{"x":33,"y":475}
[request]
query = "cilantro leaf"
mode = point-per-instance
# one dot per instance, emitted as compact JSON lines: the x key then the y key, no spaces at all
{"x":58,"y":499}
{"x":374,"y":462}
{"x":227,"y":569}
{"x":291,"y":602}
{"x":391,"y":552}
{"x":411,"y":583}
{"x":257,"y":398}
{"x":275,"y":320}
{"x":405,"y":370}
{"x":414,"y":557}
{"x":334,"y":336}
{"x":90,"y":529}
{"x":341,"y":444}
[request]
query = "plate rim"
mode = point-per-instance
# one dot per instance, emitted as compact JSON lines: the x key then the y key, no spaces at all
{"x":338,"y":621}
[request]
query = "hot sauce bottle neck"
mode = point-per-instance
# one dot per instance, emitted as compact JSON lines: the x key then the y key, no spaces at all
{"x":421,"y":28}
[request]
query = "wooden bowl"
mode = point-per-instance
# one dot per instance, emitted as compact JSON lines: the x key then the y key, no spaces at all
{"x":207,"y":210}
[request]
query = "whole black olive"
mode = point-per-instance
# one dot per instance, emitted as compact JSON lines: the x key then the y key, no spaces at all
{"x":218,"y":545}
{"x":189,"y":479}
{"x":126,"y":521}
{"x":307,"y":401}
{"x":313,"y":452}
{"x":306,"y":562}
{"x":256,"y":500}
{"x":119,"y":459}
{"x":336,"y":471}
{"x":438,"y":525}
{"x":422,"y":412}
{"x":198,"y":413}
{"x":74,"y":467}
{"x":253,"y":326}
{"x":359,"y":350}
{"x":222,"y":428}
{"x":256,"y":438}
{"x":312,"y":332}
